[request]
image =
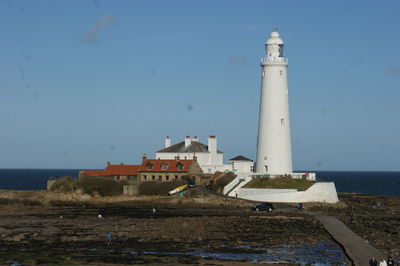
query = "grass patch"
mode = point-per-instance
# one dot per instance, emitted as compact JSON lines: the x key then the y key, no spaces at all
{"x":280,"y":183}
{"x":150,"y":188}
{"x":102,"y":186}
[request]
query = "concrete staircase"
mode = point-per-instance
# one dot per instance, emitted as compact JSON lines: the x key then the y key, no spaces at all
{"x":240,"y":180}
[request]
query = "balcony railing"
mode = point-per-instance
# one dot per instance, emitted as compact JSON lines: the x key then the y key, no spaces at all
{"x":266,"y":60}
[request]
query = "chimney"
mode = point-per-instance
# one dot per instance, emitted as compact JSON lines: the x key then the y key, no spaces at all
{"x":187,"y":141}
{"x":212,"y":144}
{"x":195,"y":139}
{"x":167,"y":142}
{"x":144,"y":157}
{"x":108,"y":163}
{"x":122,"y":163}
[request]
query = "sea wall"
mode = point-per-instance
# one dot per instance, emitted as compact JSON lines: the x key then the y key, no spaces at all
{"x":319,"y":192}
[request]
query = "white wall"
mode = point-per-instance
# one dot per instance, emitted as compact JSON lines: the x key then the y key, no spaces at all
{"x":242,"y":166}
{"x":319,"y":192}
{"x":214,"y":168}
{"x":203,"y":158}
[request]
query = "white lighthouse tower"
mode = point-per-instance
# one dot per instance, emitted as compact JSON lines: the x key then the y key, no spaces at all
{"x":274,"y":151}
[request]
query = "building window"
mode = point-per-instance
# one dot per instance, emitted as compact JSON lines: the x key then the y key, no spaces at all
{"x":167,"y":177}
{"x":251,"y":168}
{"x":117,"y":177}
{"x":149,"y":166}
{"x":164,"y":166}
{"x":281,"y":50}
{"x":145,"y":177}
{"x":159,"y":178}
{"x":209,"y":170}
{"x":179,"y":166}
{"x":153,"y":177}
{"x":176,"y":176}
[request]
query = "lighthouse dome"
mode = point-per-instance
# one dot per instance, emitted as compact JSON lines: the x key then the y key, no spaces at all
{"x":274,"y":39}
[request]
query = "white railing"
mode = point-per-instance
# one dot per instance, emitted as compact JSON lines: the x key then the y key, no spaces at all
{"x":266,"y":60}
{"x":240,"y":180}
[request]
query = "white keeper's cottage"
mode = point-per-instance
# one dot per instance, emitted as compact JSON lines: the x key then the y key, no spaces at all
{"x":208,"y":156}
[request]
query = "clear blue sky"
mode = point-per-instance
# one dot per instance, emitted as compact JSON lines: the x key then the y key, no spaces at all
{"x":86,"y":82}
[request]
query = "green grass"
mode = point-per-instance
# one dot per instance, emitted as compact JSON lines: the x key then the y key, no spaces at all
{"x":280,"y":183}
{"x":102,"y":186}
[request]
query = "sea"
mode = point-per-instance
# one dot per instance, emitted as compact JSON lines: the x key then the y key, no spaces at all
{"x":382,"y":183}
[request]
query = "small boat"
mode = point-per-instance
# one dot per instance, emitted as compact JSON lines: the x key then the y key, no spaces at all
{"x":178,"y":190}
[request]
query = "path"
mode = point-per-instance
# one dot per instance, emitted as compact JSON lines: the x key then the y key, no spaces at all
{"x":358,"y":249}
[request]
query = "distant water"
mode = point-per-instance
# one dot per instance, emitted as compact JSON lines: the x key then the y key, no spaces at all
{"x":384,"y":183}
{"x":31,"y":179}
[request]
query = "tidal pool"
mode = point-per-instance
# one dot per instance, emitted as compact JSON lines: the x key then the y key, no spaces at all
{"x":324,"y":252}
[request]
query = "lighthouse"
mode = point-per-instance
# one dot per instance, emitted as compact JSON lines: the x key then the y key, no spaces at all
{"x":274,"y":151}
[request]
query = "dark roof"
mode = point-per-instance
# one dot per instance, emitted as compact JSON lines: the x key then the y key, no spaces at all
{"x":194,"y":146}
{"x":240,"y":158}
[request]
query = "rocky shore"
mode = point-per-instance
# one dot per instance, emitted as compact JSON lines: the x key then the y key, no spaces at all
{"x":375,"y":218}
{"x":57,"y":229}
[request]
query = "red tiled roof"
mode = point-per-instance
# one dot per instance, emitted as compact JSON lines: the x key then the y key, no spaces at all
{"x":95,"y":172}
{"x":122,"y":169}
{"x":172,"y":165}
{"x":114,"y":169}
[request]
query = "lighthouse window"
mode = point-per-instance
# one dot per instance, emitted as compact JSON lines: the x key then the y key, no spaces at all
{"x":280,"y":72}
{"x":282,"y":121}
{"x":281,"y":50}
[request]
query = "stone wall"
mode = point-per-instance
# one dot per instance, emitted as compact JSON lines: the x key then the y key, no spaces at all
{"x":159,"y":176}
{"x":130,"y":190}
{"x":50,"y":183}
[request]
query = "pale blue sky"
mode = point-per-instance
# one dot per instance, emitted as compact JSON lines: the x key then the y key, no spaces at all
{"x":86,"y":82}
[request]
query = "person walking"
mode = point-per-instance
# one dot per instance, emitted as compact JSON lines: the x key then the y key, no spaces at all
{"x":108,"y":238}
{"x":373,"y":262}
{"x":390,"y":261}
{"x":382,"y":262}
